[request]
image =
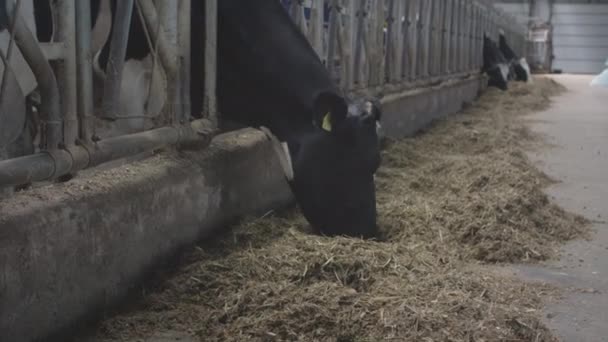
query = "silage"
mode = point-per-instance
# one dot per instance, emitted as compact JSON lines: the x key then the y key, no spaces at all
{"x":450,"y":200}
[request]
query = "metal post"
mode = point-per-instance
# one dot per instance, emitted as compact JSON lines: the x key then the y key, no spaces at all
{"x":116,"y":61}
{"x":210,"y":59}
{"x":66,"y":69}
{"x":184,"y":24}
{"x":84,"y":70}
{"x":49,"y":90}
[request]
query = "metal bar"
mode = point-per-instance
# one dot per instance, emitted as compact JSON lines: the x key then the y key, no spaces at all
{"x":359,"y":42}
{"x":316,"y":27}
{"x":332,"y":40}
{"x":455,"y":33}
{"x":349,"y":37}
{"x":447,"y":22}
{"x":49,"y":90}
{"x":404,"y":21}
{"x":53,"y":164}
{"x":184,"y":24}
{"x":414,"y":48}
{"x":167,"y":25}
{"x":54,"y":51}
{"x":84,"y":70}
{"x":66,"y":69}
{"x":210,"y":59}
{"x":168,"y":58}
{"x":116,"y":61}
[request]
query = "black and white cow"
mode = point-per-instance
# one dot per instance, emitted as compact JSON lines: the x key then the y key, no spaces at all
{"x":495,"y":65}
{"x":521,"y":70}
{"x":270,"y":76}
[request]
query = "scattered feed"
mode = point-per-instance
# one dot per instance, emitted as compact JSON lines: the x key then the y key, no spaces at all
{"x":458,"y":196}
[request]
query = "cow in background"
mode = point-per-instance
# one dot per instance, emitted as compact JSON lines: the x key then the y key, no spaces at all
{"x":495,"y":65}
{"x":519,"y":66}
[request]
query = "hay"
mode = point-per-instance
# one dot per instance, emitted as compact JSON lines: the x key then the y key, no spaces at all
{"x":459,"y":195}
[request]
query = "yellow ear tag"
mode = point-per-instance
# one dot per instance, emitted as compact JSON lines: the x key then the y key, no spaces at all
{"x":326,"y":122}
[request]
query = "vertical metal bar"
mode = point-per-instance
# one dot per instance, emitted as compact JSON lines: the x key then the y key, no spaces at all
{"x":455,"y":36}
{"x":470,"y":44}
{"x":426,"y":38}
{"x":390,"y":44}
{"x":332,"y":39}
{"x":167,"y":17}
{"x":184,"y":24}
{"x":349,"y":34}
{"x":168,"y":58}
{"x":66,"y":69}
{"x":49,"y":90}
{"x":316,"y":27}
{"x":397,"y":41}
{"x":431,"y":21}
{"x":359,"y":42}
{"x":116,"y":61}
{"x":405,"y":22}
{"x":84,"y":70}
{"x":447,"y":29}
{"x":381,"y":50}
{"x":210,"y":103}
{"x":415,"y":41}
{"x":462,"y":30}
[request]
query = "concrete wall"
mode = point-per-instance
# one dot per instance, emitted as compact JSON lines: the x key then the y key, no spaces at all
{"x":69,"y":249}
{"x":406,"y":113}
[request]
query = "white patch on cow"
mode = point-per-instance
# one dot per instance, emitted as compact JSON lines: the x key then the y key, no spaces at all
{"x":379,"y":130}
{"x":142,"y":93}
{"x":289,"y":167}
{"x":281,"y":150}
{"x":504,"y":70}
{"x":368,"y":107}
{"x":501,"y":32}
{"x":524,"y":64}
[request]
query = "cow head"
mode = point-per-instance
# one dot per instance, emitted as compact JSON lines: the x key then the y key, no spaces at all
{"x":498,"y":76}
{"x":495,"y":65}
{"x":334,"y":173}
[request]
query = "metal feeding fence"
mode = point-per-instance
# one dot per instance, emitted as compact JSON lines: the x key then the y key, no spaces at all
{"x":397,"y":44}
{"x":370,"y":45}
{"x":69,"y":126}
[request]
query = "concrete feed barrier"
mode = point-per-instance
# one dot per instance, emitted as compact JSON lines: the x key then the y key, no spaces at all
{"x":70,"y":249}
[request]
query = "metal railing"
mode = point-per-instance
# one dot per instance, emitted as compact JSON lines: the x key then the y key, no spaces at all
{"x":367,"y":45}
{"x":391,"y":45}
{"x":63,"y":68}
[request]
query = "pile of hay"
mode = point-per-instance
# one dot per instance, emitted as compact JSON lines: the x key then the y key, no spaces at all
{"x":458,"y":195}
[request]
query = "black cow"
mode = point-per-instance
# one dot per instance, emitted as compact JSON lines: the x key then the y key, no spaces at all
{"x":269,"y":75}
{"x":520,"y":67}
{"x":495,"y":65}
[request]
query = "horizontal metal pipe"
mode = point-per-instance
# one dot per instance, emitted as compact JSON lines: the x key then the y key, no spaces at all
{"x":23,"y":170}
{"x":53,"y":164}
{"x":133,"y":144}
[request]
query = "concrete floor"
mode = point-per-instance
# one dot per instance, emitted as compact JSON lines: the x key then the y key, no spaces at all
{"x":577,"y":123}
